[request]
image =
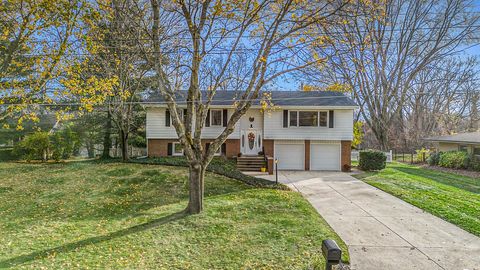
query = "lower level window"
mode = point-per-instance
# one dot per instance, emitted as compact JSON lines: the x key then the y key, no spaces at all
{"x":177,"y":149}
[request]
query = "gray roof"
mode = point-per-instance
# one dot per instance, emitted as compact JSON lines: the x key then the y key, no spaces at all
{"x":279,"y":98}
{"x":470,"y":137}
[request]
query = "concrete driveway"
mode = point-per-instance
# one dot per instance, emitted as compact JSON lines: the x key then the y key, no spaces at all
{"x":382,"y":231}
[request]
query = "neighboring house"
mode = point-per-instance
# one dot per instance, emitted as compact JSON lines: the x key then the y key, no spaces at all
{"x":305,"y":130}
{"x":468,"y":142}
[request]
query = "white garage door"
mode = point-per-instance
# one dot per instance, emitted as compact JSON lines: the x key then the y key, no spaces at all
{"x":325,"y":157}
{"x":290,"y":156}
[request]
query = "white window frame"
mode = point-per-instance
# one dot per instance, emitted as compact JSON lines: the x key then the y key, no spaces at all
{"x":219,"y":151}
{"x":318,"y":118}
{"x":181,"y":116}
{"x":211,"y":117}
{"x":173,"y":150}
{"x":328,"y":119}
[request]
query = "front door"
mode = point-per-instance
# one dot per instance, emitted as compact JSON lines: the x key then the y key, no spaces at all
{"x":251,"y":142}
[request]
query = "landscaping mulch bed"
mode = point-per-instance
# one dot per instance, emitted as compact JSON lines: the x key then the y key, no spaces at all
{"x":473,"y":174}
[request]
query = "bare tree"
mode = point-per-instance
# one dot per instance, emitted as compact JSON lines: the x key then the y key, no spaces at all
{"x":439,"y":100}
{"x":387,"y":46}
{"x":242,"y":46}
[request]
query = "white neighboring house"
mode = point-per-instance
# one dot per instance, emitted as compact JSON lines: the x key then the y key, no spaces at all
{"x":306,"y":131}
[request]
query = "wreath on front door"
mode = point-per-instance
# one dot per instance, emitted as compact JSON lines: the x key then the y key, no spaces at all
{"x":251,"y":140}
{"x":251,"y":137}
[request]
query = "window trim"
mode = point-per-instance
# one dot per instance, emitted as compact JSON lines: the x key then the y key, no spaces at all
{"x":326,"y":122}
{"x":182,"y":116}
{"x":318,"y":118}
{"x":211,"y":118}
{"x":173,"y":150}
{"x":219,"y":152}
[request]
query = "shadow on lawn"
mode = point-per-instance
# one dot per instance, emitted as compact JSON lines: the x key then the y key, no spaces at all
{"x":89,"y":241}
{"x":457,"y":181}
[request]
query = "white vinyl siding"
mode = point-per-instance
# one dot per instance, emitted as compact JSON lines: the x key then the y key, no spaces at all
{"x":342,"y":130}
{"x":290,"y":155}
{"x":156,"y":128}
{"x":325,"y":156}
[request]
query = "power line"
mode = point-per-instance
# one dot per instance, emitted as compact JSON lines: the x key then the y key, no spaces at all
{"x":338,"y":33}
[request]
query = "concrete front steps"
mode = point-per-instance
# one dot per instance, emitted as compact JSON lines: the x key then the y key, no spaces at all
{"x":250,"y":163}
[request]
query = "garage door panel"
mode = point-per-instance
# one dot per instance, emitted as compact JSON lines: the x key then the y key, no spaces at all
{"x":325,"y":157}
{"x":290,"y":156}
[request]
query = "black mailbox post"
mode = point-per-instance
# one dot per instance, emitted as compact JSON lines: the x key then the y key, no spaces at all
{"x":331,"y":252}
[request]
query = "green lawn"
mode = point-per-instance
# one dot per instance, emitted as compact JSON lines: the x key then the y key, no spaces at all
{"x":94,"y":215}
{"x":453,"y":197}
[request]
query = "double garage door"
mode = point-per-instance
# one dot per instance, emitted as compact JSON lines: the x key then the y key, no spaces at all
{"x":323,"y":155}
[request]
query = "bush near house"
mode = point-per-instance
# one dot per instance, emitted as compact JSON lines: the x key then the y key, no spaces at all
{"x":43,"y":146}
{"x":33,"y":147}
{"x":372,"y":160}
{"x":474,"y":163}
{"x":454,"y":160}
{"x":434,"y":159}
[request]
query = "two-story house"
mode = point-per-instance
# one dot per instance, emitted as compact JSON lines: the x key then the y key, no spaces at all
{"x":304,"y":130}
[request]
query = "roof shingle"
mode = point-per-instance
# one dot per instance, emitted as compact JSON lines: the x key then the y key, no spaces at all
{"x":469,"y":137}
{"x":279,"y":98}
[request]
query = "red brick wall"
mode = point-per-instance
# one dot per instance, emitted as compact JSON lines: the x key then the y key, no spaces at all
{"x":307,"y":155}
{"x":268,"y":146}
{"x":346,"y":154}
{"x":233,"y":148}
{"x":159,"y":147}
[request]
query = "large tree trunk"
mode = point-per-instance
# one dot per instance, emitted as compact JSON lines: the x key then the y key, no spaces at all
{"x":90,"y":149}
{"x":381,"y":134}
{"x":196,"y":179}
{"x":124,"y":144}
{"x":107,"y":141}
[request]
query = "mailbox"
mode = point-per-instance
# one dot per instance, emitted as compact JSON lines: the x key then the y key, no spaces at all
{"x":331,"y":252}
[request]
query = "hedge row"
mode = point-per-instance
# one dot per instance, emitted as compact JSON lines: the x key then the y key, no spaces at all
{"x":454,"y":160}
{"x":372,"y":160}
{"x":219,"y":165}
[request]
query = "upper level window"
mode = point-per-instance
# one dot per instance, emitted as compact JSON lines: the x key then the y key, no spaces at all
{"x":323,"y":119}
{"x":293,"y":118}
{"x":308,"y":118}
{"x":216,"y":117}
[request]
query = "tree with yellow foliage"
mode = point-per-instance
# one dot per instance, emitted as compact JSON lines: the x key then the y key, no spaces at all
{"x":114,"y":73}
{"x":35,"y":36}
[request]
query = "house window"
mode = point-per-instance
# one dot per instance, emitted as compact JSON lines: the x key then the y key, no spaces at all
{"x":323,"y":119}
{"x":177,"y":149}
{"x":463,"y":148}
{"x":181,"y":115}
{"x":307,"y":119}
{"x":476,"y":152}
{"x":215,"y":117}
{"x":293,"y":118}
{"x":219,"y":151}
